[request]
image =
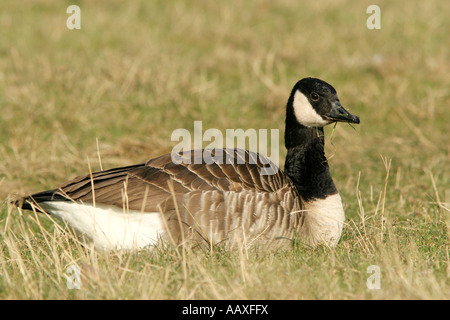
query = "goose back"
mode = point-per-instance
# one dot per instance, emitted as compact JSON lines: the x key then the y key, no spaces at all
{"x":219,"y":201}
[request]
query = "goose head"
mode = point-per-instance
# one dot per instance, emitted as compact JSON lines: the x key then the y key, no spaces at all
{"x":314,"y":103}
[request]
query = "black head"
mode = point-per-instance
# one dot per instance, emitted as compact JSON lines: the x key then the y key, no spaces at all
{"x":315,"y":103}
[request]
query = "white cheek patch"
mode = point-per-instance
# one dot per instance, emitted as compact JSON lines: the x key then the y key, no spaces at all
{"x":305,"y":113}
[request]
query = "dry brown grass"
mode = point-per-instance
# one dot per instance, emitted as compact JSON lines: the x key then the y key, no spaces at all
{"x":137,"y":71}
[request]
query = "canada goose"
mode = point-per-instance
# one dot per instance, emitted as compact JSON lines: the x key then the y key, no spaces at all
{"x":139,"y":205}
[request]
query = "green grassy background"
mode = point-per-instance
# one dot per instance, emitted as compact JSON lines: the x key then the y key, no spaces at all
{"x":137,"y":71}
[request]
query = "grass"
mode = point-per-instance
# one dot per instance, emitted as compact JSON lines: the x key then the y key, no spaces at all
{"x":137,"y":71}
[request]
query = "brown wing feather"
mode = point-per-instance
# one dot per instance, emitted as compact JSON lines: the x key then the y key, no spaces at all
{"x":153,"y":181}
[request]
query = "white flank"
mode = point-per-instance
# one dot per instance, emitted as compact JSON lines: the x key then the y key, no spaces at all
{"x":324,"y":220}
{"x":109,"y":227}
{"x":305,"y":113}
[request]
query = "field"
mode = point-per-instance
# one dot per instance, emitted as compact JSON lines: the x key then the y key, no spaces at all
{"x":112,"y":93}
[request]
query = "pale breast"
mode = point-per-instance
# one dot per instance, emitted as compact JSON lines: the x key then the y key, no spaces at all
{"x":324,"y":221}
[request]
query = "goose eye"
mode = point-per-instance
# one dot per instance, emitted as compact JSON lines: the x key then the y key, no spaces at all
{"x":314,"y":96}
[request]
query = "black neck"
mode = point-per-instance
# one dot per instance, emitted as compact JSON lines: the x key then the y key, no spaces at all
{"x":306,"y":163}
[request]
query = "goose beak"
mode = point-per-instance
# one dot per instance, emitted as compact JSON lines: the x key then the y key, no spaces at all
{"x":338,"y":113}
